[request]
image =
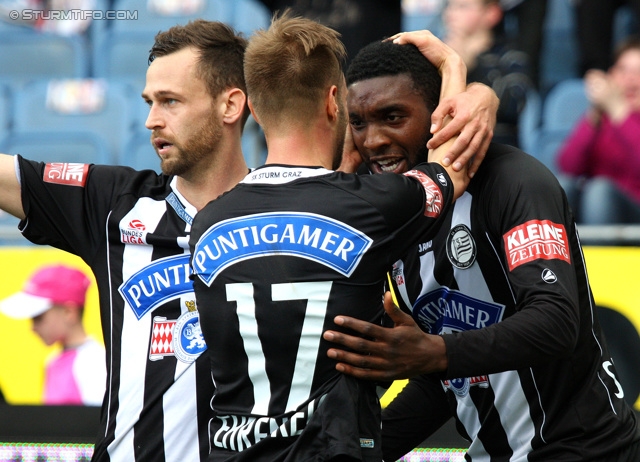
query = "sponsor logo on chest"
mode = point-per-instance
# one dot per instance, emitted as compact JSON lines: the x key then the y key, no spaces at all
{"x":162,"y":280}
{"x":444,"y":310}
{"x":134,"y":233}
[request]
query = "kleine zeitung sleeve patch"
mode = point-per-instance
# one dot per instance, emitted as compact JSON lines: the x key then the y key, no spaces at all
{"x":433,"y":194}
{"x":70,"y":174}
{"x":536,"y":239}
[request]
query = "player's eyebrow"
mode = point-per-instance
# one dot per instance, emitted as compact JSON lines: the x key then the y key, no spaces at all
{"x":383,"y":109}
{"x":160,"y":94}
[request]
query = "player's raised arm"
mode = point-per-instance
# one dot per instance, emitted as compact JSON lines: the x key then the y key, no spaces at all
{"x":10,"y":200}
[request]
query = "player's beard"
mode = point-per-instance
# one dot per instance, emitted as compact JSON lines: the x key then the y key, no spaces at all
{"x":201,"y":143}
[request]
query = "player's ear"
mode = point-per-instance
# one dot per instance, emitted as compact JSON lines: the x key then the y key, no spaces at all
{"x":234,"y":104}
{"x":331,"y":103}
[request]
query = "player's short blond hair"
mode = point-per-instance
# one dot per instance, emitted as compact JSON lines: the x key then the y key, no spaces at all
{"x":289,"y":66}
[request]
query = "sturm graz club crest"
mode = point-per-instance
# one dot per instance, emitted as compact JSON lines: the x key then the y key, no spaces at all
{"x":459,"y":386}
{"x":188,"y":342}
{"x":461,"y":248}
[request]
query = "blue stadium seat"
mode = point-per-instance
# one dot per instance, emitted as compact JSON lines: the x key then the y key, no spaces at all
{"x":139,"y":154}
{"x":112,"y":121}
{"x":66,"y":146}
{"x":5,"y":112}
{"x":123,"y":55}
{"x":559,"y":56}
{"x":30,"y":55}
{"x":152,"y":14}
{"x":565,"y":103}
{"x":560,"y":52}
{"x":249,"y":15}
{"x":121,"y":48}
{"x":624,"y":23}
{"x":548,"y":145}
{"x":140,"y":108}
{"x":529,"y":122}
{"x":544,"y":127}
{"x":418,"y":20}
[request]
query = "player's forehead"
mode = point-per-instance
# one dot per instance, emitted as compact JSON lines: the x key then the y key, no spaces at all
{"x":377,"y":93}
{"x":175,"y":72}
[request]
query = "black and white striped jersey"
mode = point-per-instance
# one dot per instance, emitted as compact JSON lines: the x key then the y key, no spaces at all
{"x":132,"y":229}
{"x":504,"y":281}
{"x":274,"y":261}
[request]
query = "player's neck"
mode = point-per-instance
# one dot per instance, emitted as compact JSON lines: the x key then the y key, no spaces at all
{"x":311,"y":148}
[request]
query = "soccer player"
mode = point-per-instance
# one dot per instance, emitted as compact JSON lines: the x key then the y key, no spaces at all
{"x":294,"y":244}
{"x":510,"y":344}
{"x":132,"y":230}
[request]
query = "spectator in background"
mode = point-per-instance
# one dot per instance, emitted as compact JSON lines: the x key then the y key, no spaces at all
{"x":359,"y":22}
{"x":594,"y":26}
{"x":54,"y":298}
{"x":602,"y":155}
{"x":528,"y":35}
{"x":469,"y":30}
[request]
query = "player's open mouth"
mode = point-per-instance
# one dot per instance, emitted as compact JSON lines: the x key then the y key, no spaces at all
{"x":161,"y":145}
{"x":389,"y":165}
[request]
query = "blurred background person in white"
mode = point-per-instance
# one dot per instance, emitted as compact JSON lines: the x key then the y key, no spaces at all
{"x":54,"y":298}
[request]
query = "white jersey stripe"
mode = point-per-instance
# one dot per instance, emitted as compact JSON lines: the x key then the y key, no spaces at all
{"x":470,"y":280}
{"x":468,"y":416}
{"x":135,"y":335}
{"x":180,"y":437}
{"x":511,"y":402}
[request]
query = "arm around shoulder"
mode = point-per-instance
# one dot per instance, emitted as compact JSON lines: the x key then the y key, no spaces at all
{"x":10,"y":195}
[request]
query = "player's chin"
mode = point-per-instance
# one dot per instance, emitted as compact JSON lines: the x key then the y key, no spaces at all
{"x":169,"y":166}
